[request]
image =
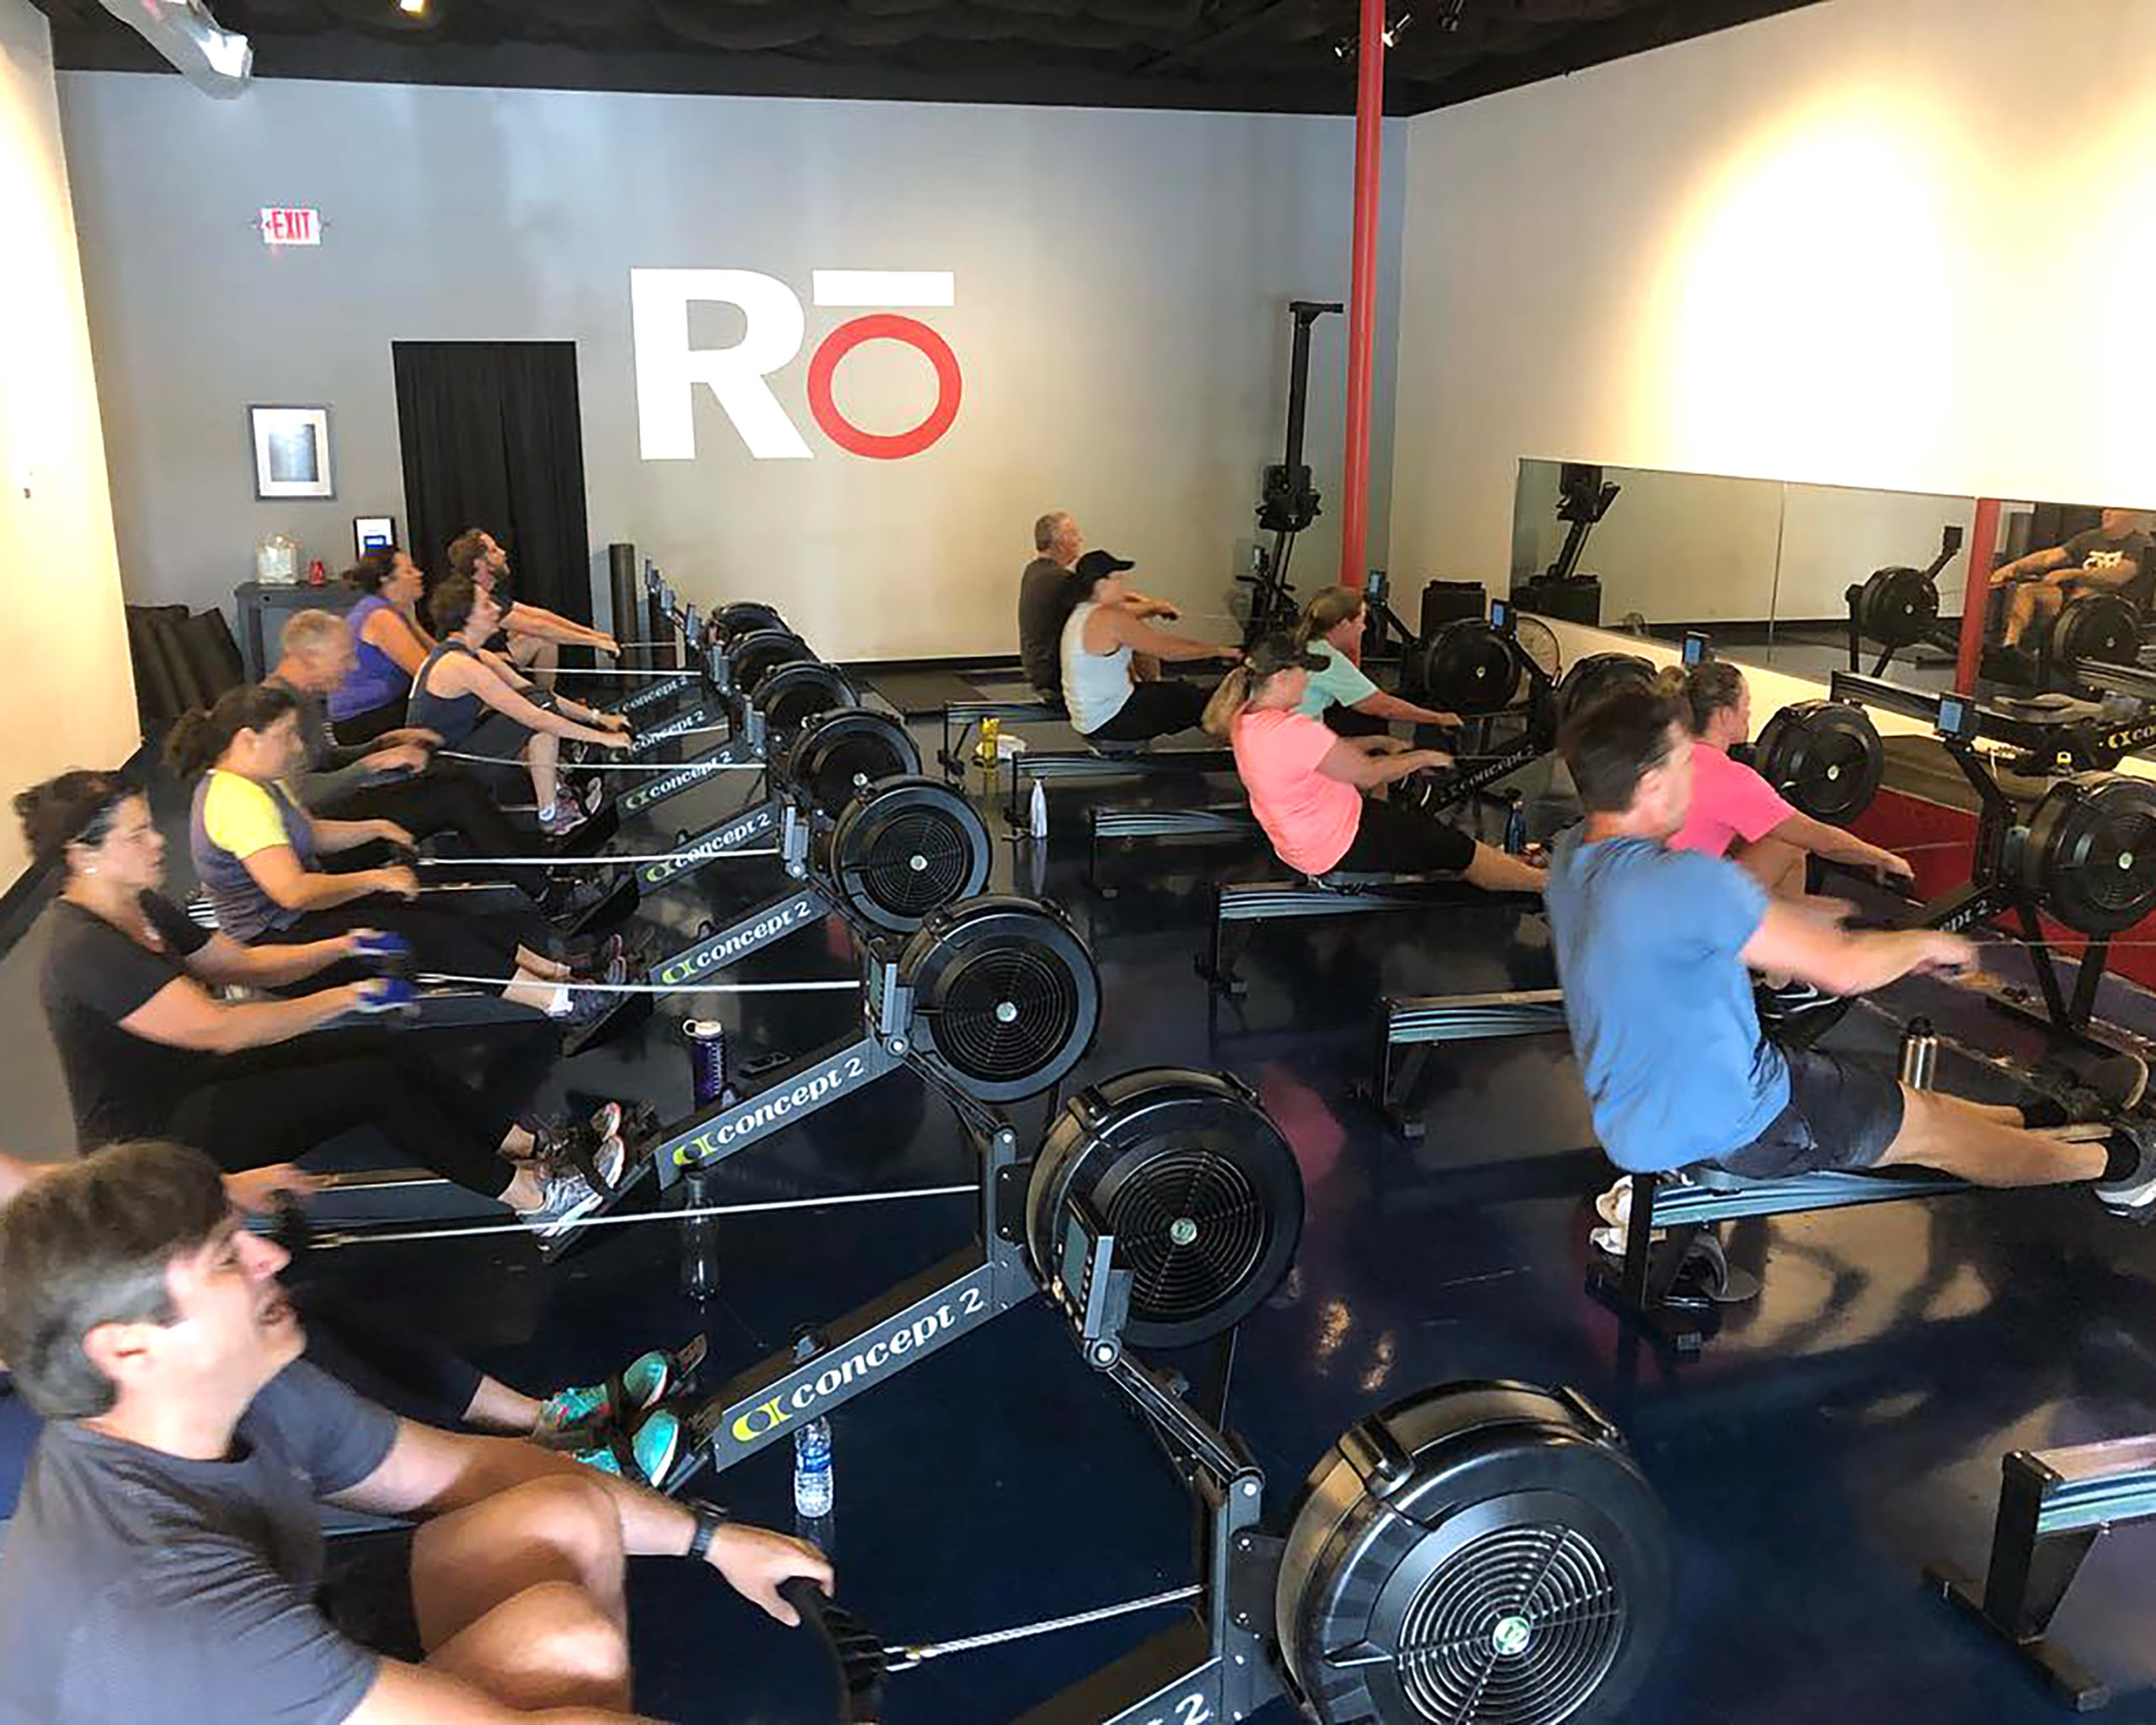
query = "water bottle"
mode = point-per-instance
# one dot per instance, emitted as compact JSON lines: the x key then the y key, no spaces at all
{"x":1920,"y":1055}
{"x":1516,"y":827}
{"x":1037,"y":821}
{"x":812,"y":1470}
{"x":706,"y":1040}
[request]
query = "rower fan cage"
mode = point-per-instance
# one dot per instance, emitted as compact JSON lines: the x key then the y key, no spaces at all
{"x":1825,"y":756}
{"x":1188,"y":1173}
{"x":1481,"y":1554}
{"x":840,"y":753}
{"x":1005,"y":995}
{"x":792,"y":695}
{"x":1469,"y":668}
{"x":2090,"y":853}
{"x":2095,"y":628}
{"x":905,"y":846}
{"x":1897,"y":607}
{"x":746,"y":617}
{"x":1538,"y":642}
{"x":1598,"y":674}
{"x":755,"y":656}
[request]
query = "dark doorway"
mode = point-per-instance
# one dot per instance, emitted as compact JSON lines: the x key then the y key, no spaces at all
{"x":493,"y":438}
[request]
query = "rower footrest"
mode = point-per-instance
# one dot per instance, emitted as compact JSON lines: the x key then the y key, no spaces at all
{"x":2054,"y":1506}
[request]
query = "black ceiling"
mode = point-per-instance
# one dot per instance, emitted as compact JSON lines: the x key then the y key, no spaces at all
{"x":1267,"y":55}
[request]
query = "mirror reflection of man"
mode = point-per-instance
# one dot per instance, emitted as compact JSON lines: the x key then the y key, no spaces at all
{"x":2118,"y":555}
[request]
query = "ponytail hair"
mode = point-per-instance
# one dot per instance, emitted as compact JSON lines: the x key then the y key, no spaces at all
{"x":1711,"y":687}
{"x":1229,"y":700}
{"x":198,"y":739}
{"x":1327,"y":611}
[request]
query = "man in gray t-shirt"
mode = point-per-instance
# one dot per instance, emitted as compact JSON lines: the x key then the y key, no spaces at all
{"x":1046,"y":596}
{"x":2117,"y":555}
{"x":164,"y":1558}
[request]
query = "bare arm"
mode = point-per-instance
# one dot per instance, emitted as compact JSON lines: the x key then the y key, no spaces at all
{"x":332,"y":836}
{"x":1789,"y":942}
{"x":180,"y":1015}
{"x":546,"y":625}
{"x":1366,"y":770}
{"x":1839,"y":845}
{"x":2109,"y":577}
{"x":1126,"y":630}
{"x":474,"y":678}
{"x":278,"y":873}
{"x":430,"y":1473}
{"x":225,"y":960}
{"x":2036,"y":563}
{"x":1389,"y":707}
{"x":405,"y":643}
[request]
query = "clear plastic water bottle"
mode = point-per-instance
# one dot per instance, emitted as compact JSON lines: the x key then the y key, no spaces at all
{"x":1038,"y":822}
{"x":812,"y":1470}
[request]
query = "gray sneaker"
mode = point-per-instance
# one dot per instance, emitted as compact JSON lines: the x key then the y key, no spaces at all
{"x":2114,"y":1085}
{"x":569,"y":1197}
{"x":2133,"y":1194}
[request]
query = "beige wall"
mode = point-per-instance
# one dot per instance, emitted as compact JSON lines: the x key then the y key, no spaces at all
{"x":1898,"y":244}
{"x":67,"y":692}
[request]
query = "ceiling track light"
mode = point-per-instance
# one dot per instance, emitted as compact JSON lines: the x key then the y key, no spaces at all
{"x":1348,"y":47}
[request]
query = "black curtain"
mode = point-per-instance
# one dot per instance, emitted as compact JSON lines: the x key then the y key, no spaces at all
{"x":493,"y":438}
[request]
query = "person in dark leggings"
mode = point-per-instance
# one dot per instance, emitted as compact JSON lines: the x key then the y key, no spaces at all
{"x":1306,"y":784}
{"x":1111,"y":659}
{"x":257,"y":853}
{"x":147,"y":1050}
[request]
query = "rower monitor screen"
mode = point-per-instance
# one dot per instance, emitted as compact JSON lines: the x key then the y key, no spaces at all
{"x":1697,"y":650}
{"x":1501,"y":614}
{"x":1956,"y":717}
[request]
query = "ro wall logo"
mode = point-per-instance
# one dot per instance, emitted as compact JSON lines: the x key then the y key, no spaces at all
{"x":669,"y":369}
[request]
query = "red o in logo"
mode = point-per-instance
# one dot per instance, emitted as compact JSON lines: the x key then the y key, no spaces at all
{"x":888,"y":326}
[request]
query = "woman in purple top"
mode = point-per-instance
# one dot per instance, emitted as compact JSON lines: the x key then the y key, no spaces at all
{"x":388,"y":642}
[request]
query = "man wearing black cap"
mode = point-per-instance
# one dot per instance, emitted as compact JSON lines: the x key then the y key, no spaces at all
{"x":1045,"y":597}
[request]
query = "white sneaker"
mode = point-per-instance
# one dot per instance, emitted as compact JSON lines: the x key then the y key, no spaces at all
{"x":568,"y":1197}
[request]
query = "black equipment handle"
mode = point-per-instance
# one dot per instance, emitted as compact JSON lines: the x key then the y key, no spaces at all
{"x":857,"y":1655}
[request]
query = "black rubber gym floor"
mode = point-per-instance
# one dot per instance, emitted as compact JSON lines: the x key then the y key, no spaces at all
{"x":1829,"y":1445}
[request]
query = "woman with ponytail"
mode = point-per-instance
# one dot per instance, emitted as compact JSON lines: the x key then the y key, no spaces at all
{"x":1306,"y":784}
{"x":149,"y":1051}
{"x":258,"y":853}
{"x":1339,"y":693}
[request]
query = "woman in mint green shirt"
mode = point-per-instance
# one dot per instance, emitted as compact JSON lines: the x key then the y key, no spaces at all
{"x":1332,"y":623}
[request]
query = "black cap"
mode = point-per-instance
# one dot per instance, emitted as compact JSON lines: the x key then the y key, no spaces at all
{"x":1095,"y":565}
{"x":1271,"y":653}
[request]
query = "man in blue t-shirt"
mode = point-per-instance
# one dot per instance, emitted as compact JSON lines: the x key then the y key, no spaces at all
{"x":166,"y":1559}
{"x":1653,"y":946}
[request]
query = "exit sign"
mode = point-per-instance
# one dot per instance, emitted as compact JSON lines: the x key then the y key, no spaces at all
{"x":291,"y":228}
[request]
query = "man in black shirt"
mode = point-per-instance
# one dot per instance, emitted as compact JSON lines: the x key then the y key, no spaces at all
{"x":166,"y":1559}
{"x":2118,"y":555}
{"x":1045,"y":600}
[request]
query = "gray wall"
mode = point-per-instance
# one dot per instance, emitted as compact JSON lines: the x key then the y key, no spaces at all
{"x":1119,"y":316}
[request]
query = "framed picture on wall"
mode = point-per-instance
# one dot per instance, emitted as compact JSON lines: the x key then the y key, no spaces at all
{"x":291,"y":451}
{"x":373,"y":533}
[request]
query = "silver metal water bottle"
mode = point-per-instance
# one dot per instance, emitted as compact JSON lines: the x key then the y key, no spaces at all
{"x":1920,"y":1055}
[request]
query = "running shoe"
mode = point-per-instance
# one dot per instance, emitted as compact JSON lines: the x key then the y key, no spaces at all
{"x":652,"y":1450}
{"x":2133,"y":1193}
{"x":563,"y":819}
{"x":644,"y":1382}
{"x":569,"y":1197}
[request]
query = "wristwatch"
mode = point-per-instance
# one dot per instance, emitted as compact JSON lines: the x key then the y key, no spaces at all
{"x":710,"y":1518}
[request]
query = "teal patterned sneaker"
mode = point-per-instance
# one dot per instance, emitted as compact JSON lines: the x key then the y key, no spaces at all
{"x":644,"y":1382}
{"x":646,"y":1458}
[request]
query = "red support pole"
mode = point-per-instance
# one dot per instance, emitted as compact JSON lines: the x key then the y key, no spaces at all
{"x":1362,"y":297}
{"x":1975,"y":596}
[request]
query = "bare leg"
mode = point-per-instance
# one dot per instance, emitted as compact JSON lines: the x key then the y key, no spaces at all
{"x":524,"y":1191}
{"x":559,"y":1528}
{"x":547,"y":1647}
{"x":1496,"y":872}
{"x":1144,"y":667}
{"x":540,"y":755}
{"x":2031,"y":599}
{"x":1963,"y":1138}
{"x":496,"y":1407}
{"x":539,"y":659}
{"x":536,"y":964}
{"x":533,"y":992}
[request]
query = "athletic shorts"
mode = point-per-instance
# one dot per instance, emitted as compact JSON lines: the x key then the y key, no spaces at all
{"x":1840,"y":1115}
{"x":1154,"y":709}
{"x":1389,"y":840}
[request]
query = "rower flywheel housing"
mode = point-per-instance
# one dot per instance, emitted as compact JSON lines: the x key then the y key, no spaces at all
{"x":1200,"y":1190}
{"x":792,"y":695}
{"x":1897,"y":607}
{"x":1005,"y":995}
{"x":754,"y":656}
{"x":1469,"y":667}
{"x":839,"y":753}
{"x":1481,"y":1554}
{"x":1825,"y":756}
{"x":2090,"y":854}
{"x":1598,"y":674}
{"x":905,"y":846}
